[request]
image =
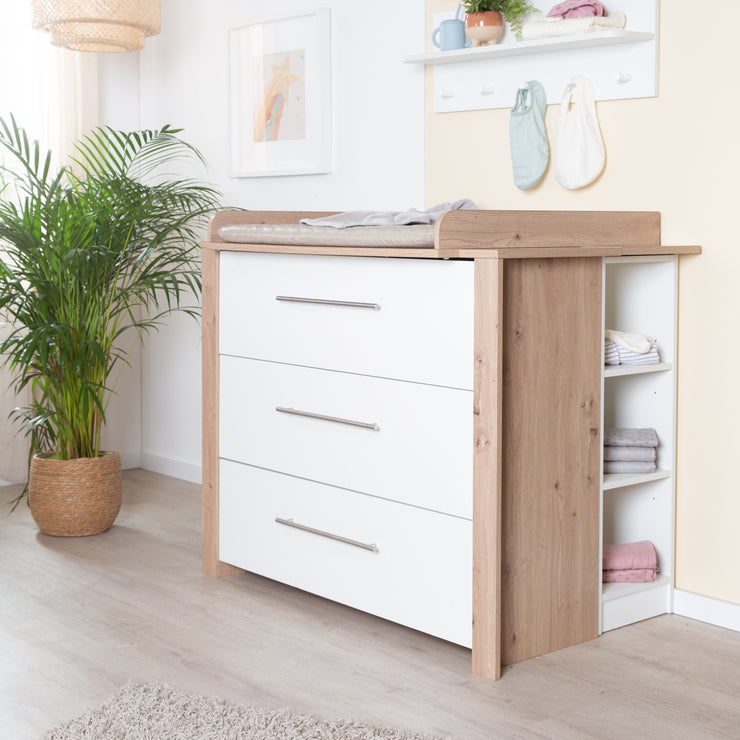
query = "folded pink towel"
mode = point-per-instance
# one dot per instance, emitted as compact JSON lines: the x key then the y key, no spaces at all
{"x":643,"y":575}
{"x":577,"y":9}
{"x":630,"y":556}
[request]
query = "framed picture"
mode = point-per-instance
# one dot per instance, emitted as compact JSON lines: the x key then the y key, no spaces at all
{"x":280,"y":92}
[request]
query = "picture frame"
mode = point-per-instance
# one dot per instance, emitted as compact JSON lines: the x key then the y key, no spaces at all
{"x":280,"y":96}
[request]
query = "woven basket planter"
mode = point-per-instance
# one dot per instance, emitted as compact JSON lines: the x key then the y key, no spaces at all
{"x":75,"y":498}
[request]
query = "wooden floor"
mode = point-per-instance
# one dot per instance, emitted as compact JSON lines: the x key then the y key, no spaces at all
{"x":81,"y":617}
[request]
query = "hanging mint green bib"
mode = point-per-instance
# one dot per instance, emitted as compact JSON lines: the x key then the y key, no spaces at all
{"x":529,"y":148}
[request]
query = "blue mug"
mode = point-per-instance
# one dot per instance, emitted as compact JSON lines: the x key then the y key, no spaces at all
{"x":451,"y":35}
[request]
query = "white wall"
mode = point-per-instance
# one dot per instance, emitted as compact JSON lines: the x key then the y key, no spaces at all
{"x":378,"y":156}
{"x":118,"y":103}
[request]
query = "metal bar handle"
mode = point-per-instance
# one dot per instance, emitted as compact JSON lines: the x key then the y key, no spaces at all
{"x":324,"y":417}
{"x":364,"y":545}
{"x":327,"y":302}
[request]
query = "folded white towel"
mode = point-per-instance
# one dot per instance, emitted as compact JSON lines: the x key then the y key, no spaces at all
{"x":611,"y":355}
{"x":616,"y":355}
{"x":389,"y":218}
{"x":628,"y":340}
{"x":624,"y":454}
{"x":568,"y":26}
{"x":628,"y":466}
{"x":637,"y":358}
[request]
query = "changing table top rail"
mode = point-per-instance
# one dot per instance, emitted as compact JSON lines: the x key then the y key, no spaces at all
{"x":485,"y":233}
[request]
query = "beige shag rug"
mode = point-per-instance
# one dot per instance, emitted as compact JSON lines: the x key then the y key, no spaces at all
{"x":159,"y":712}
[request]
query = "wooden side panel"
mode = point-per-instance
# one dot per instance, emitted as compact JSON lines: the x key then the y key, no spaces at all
{"x":212,"y":566}
{"x":487,"y":394}
{"x":551,"y":446}
{"x":501,"y":229}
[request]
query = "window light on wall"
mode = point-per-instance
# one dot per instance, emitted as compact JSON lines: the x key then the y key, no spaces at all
{"x":97,"y":25}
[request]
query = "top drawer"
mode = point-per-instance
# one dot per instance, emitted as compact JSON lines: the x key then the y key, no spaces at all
{"x":414,"y":321}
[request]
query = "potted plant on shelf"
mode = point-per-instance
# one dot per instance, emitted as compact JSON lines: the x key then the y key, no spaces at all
{"x":484,"y":19}
{"x":92,"y":258}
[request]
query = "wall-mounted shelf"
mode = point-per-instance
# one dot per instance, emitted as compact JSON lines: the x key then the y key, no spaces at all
{"x":620,"y":63}
{"x":543,"y":46}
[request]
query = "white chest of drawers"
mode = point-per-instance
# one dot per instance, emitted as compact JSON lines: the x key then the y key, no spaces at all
{"x":345,"y":428}
{"x":359,"y":411}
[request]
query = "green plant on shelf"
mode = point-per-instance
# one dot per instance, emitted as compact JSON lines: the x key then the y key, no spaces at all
{"x":513,"y":11}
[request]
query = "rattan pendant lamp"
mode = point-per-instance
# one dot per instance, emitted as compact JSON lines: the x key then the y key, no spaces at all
{"x":97,"y":25}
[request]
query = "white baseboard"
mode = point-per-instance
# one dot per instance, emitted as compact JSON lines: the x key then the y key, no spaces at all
{"x":130,"y":460}
{"x":155,"y":463}
{"x":174,"y":468}
{"x":704,"y":609}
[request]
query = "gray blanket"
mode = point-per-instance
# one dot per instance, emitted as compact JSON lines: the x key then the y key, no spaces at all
{"x":389,"y":218}
{"x":630,"y":438}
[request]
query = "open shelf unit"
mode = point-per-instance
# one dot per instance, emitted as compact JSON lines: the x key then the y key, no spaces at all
{"x":640,"y":295}
{"x":621,"y":63}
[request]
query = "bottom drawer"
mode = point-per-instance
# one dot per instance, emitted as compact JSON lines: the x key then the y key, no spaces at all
{"x":409,"y":565}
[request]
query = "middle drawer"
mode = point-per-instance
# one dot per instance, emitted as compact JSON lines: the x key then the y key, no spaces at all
{"x":398,"y":440}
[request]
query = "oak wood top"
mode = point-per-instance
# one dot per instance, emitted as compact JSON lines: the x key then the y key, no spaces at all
{"x":487,"y":234}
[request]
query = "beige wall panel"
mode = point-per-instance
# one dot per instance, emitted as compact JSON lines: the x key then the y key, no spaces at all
{"x":676,"y":154}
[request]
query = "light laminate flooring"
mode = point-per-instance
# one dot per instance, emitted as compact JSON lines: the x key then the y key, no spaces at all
{"x":81,"y":617}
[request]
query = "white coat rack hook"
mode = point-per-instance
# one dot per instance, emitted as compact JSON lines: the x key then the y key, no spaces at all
{"x":487,"y":90}
{"x":624,"y":77}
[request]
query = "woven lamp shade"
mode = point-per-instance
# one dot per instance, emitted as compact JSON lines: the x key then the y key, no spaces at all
{"x":97,"y":25}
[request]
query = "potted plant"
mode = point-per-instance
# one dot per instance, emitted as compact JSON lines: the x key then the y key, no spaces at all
{"x":91,"y":259}
{"x":484,"y":19}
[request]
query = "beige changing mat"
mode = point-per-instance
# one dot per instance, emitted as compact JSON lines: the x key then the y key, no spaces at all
{"x":419,"y":235}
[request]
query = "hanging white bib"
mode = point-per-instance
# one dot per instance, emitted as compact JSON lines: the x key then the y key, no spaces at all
{"x":580,"y":152}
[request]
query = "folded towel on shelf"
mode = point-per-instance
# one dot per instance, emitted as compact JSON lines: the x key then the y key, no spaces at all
{"x":629,"y":340}
{"x":577,"y":9}
{"x":624,"y":454}
{"x":629,"y":349}
{"x":637,"y":358}
{"x":572,"y":26}
{"x":389,"y":218}
{"x":645,"y":575}
{"x":629,"y":466}
{"x":616,"y":355}
{"x":646,"y":437}
{"x":630,"y":556}
{"x":611,"y":355}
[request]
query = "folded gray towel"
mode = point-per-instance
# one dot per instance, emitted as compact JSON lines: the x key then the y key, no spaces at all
{"x":631,"y":438}
{"x":628,"y":466}
{"x":630,"y":453}
{"x":390,"y":218}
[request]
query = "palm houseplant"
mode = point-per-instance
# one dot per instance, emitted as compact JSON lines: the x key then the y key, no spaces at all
{"x":484,"y":18}
{"x":92,"y":258}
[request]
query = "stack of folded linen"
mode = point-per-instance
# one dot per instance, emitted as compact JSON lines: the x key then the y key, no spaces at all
{"x":624,"y":348}
{"x":633,"y":562}
{"x":630,"y":450}
{"x":574,"y":17}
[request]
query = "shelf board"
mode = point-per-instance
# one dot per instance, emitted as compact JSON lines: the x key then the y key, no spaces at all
{"x":621,"y":480}
{"x":615,"y":371}
{"x":611,"y":591}
{"x":517,"y":48}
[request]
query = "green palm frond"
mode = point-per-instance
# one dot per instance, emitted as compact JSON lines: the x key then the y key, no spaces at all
{"x":92,"y":260}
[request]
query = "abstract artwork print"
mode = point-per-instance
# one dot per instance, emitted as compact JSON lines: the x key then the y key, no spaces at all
{"x":282,"y":114}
